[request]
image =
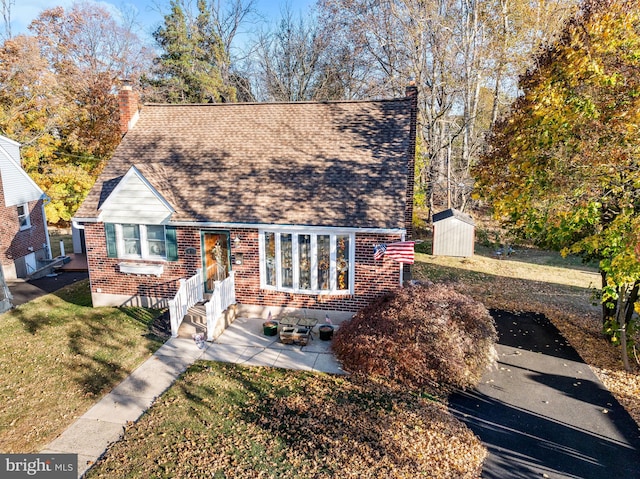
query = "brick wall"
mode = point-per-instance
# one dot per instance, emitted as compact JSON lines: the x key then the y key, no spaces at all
{"x":412,"y":93}
{"x":14,"y":243}
{"x":372,"y":278}
{"x":106,"y":278}
{"x":128,"y":106}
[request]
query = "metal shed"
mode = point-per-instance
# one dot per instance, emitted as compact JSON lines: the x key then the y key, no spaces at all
{"x":453,"y":233}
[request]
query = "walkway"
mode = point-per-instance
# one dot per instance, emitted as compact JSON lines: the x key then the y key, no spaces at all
{"x":542,"y":412}
{"x":241,"y":343}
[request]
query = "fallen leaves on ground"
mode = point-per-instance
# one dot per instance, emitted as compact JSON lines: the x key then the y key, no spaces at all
{"x":59,"y":355}
{"x":224,"y":420}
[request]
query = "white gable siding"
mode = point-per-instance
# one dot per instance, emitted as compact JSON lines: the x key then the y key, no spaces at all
{"x":18,"y":187}
{"x":12,"y":148}
{"x":133,"y":201}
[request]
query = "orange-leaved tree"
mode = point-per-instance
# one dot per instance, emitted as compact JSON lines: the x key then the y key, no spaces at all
{"x":58,"y":98}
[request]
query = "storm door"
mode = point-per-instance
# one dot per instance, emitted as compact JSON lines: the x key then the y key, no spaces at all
{"x":216,"y":258}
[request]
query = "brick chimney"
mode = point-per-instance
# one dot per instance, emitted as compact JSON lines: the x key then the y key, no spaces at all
{"x":128,"y":103}
{"x":411,"y":90}
{"x":411,"y":94}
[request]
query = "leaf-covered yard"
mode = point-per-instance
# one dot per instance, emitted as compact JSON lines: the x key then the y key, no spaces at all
{"x":58,"y":356}
{"x":228,"y":421}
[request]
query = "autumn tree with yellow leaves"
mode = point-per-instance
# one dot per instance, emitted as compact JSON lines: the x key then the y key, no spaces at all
{"x":563,"y":168}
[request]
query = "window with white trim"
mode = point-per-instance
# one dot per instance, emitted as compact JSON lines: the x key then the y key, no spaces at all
{"x":23,"y":216}
{"x":307,"y":262}
{"x":131,"y":241}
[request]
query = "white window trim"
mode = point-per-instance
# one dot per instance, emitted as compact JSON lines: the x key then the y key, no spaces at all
{"x":144,"y":269}
{"x":333,"y":279}
{"x":26,"y":216}
{"x":144,"y":245}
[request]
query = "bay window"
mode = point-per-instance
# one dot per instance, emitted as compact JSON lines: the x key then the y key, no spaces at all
{"x":307,"y":262}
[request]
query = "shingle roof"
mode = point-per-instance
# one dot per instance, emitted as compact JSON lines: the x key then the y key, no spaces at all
{"x":453,"y":213}
{"x":323,"y":164}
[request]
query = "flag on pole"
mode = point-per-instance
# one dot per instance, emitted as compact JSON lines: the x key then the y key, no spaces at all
{"x":378,"y":251}
{"x":402,"y":251}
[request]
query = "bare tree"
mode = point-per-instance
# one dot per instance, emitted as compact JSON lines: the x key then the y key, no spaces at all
{"x":464,"y":55}
{"x":6,"y":18}
{"x":290,"y":62}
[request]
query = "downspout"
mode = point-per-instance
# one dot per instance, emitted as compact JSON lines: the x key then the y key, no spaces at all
{"x":402,"y":238}
{"x":46,"y":227}
{"x":77,"y":225}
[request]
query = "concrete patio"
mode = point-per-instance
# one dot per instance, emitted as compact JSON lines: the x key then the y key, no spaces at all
{"x":244,"y":342}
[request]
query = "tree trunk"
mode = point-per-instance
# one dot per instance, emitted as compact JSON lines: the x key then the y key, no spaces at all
{"x":609,"y":306}
{"x":623,"y":298}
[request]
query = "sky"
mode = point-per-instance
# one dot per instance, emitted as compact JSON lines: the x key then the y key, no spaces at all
{"x":148,"y":11}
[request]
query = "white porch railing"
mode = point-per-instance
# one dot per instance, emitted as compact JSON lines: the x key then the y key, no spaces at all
{"x":223,"y":296}
{"x":191,"y":291}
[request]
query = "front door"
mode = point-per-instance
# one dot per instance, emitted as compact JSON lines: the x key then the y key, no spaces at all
{"x":216,"y":258}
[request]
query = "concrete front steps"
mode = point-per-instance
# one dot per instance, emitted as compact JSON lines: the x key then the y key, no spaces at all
{"x":194,"y":322}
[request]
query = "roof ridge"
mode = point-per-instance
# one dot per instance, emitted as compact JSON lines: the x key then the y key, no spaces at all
{"x":276,"y":103}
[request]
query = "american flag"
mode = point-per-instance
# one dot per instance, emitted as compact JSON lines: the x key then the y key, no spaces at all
{"x":402,"y":251}
{"x":378,"y":251}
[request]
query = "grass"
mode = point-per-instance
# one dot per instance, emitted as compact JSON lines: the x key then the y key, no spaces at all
{"x":524,"y":264}
{"x":224,"y":420}
{"x":58,"y":356}
{"x":544,"y":282}
{"x":55,"y":239}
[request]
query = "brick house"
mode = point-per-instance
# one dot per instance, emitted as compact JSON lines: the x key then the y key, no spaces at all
{"x":288,"y":198}
{"x":24,"y":237}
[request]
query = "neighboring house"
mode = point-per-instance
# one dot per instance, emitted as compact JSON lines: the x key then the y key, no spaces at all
{"x":290,"y":197}
{"x":24,"y":238}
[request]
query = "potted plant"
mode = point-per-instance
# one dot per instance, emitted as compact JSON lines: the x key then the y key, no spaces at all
{"x":270,"y":327}
{"x":326,"y":332}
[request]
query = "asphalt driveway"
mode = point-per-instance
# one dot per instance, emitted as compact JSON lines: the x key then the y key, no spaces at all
{"x":25,"y":291}
{"x":542,"y":412}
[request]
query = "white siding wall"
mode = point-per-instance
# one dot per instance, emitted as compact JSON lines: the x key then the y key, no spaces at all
{"x":18,"y":187}
{"x":134,"y":202}
{"x":12,"y":148}
{"x":452,"y":237}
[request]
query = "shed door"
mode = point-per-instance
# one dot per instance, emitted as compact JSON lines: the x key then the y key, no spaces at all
{"x":216,"y":258}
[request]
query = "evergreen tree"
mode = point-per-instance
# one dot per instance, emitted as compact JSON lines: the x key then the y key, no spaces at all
{"x":189,"y":70}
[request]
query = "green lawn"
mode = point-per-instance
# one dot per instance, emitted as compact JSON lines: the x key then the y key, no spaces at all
{"x":222,"y":420}
{"x":58,"y":356}
{"x":55,"y":239}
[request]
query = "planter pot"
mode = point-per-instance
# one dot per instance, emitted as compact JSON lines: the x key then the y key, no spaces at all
{"x":270,"y":328}
{"x":326,"y":332}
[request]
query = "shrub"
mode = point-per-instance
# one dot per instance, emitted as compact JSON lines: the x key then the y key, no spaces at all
{"x":420,"y":336}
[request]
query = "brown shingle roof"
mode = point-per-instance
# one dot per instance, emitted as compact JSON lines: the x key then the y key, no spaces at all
{"x":323,"y":164}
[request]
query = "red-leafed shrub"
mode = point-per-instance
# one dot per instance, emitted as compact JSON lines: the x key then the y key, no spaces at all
{"x":420,"y":336}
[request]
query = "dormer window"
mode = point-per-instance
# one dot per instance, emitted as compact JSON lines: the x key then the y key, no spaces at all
{"x":23,"y":217}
